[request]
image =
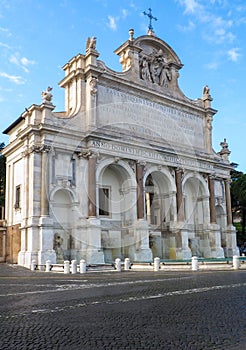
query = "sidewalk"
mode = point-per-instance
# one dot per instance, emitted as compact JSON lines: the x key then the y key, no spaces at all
{"x":7,"y":270}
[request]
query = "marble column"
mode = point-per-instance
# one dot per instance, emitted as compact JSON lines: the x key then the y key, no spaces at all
{"x":93,"y":239}
{"x":92,"y":186}
{"x":140,"y":190}
{"x":45,"y":248}
{"x":179,"y":194}
{"x":44,"y":176}
{"x":211,"y":200}
{"x":228,"y":202}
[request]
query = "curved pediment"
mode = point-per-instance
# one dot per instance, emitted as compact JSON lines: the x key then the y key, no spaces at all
{"x":154,"y":47}
{"x":151,"y":62}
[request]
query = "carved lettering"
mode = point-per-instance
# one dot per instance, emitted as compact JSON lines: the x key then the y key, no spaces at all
{"x":144,"y":118}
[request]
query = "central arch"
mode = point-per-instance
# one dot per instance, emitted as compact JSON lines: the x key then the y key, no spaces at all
{"x":160,"y":203}
{"x":196,"y":213}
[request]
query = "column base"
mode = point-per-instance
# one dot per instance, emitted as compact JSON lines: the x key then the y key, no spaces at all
{"x":45,"y":255}
{"x":25,"y":258}
{"x":143,"y":252}
{"x":231,"y":247}
{"x":94,"y":252}
{"x":144,"y":255}
{"x":94,"y":256}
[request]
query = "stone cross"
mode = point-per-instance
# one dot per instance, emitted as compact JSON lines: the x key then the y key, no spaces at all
{"x":150,"y":18}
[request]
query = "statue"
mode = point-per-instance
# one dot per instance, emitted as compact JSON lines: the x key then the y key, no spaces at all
{"x":206,"y":91}
{"x":57,"y":246}
{"x":47,"y":96}
{"x":145,"y":72}
{"x":93,"y":86}
{"x":154,"y":69}
{"x":206,"y":97}
{"x":91,"y":43}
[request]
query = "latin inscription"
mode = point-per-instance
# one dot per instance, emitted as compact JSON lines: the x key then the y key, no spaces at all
{"x":146,"y":154}
{"x":145,"y":118}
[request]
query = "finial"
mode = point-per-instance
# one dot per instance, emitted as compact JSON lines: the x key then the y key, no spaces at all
{"x":224,"y":152}
{"x":151,"y":29}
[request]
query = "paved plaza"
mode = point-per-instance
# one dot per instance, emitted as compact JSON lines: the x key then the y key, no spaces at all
{"x":122,"y":310}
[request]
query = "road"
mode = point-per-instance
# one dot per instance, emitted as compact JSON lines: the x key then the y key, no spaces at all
{"x":122,"y":310}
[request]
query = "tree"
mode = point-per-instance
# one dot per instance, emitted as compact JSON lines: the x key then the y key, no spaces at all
{"x":2,"y":176}
{"x":238,"y":194}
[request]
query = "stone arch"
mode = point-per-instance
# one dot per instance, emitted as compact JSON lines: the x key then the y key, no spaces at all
{"x":63,"y":203}
{"x":116,"y":207}
{"x":196,"y":212}
{"x":72,"y":194}
{"x":120,"y":180}
{"x":160,"y":198}
{"x":196,"y":199}
{"x":160,"y":208}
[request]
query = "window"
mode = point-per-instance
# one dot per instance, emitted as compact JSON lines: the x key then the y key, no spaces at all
{"x":17,"y":197}
{"x":104,"y":201}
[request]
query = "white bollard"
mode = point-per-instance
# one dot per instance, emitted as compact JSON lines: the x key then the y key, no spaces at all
{"x":194,"y":263}
{"x":33,"y":265}
{"x":74,"y":266}
{"x":235,"y":262}
{"x":66,"y":267}
{"x":48,"y":266}
{"x":127,"y":264}
{"x":118,"y":264}
{"x":156,"y":264}
{"x":82,"y":266}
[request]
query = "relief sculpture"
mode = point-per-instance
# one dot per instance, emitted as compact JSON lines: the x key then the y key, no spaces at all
{"x":154,"y":68}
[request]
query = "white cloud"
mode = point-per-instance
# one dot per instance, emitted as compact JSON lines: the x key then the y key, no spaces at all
{"x":26,"y":62}
{"x":124,"y":13}
{"x":5,"y":45}
{"x":216,"y":28}
{"x":190,"y":5}
{"x":212,"y":65}
{"x":22,"y":62}
{"x":233,"y":54}
{"x":189,"y":27}
{"x":6,"y":31}
{"x":17,"y":79}
{"x":112,"y":22}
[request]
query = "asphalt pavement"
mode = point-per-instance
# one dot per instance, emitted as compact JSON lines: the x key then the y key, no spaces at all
{"x":173,"y":310}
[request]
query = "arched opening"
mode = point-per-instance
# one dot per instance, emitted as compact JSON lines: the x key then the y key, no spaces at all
{"x":159,"y":212}
{"x":116,"y":198}
{"x":158,"y":200}
{"x":63,"y":240}
{"x":196,"y":212}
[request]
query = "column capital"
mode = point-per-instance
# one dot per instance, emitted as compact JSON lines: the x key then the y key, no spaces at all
{"x":228,"y":181}
{"x":179,"y":170}
{"x":141,"y":162}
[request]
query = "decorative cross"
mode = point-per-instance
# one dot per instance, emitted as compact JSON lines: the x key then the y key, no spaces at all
{"x":150,"y":18}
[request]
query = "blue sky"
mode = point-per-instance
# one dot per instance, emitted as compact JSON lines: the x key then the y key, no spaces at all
{"x":38,"y":37}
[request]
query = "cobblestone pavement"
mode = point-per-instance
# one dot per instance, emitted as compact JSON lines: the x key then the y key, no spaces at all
{"x":122,"y":310}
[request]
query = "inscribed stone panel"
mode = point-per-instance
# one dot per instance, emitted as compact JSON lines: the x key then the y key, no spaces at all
{"x":144,"y":118}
